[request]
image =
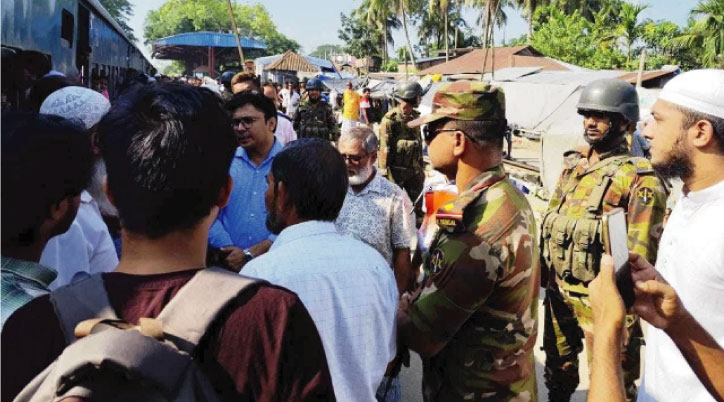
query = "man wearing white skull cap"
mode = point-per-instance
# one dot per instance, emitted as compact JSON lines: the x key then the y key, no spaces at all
{"x":87,"y":247}
{"x":684,"y":357}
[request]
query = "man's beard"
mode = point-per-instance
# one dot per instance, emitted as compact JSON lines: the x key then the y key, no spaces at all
{"x":273,"y":222}
{"x":608,"y":141}
{"x":362,"y":175}
{"x":677,"y":162}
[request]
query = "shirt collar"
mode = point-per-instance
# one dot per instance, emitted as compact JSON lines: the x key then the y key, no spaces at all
{"x":301,"y":230}
{"x":29,"y":270}
{"x":703,"y":196}
{"x":275,"y":149}
{"x":375,"y":186}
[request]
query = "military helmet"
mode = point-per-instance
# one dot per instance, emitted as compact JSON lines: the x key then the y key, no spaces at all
{"x":226,"y":77}
{"x":408,"y":91}
{"x":314,"y":83}
{"x":610,"y":95}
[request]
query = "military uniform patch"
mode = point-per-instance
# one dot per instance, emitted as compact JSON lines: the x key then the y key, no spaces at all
{"x":646,"y":195}
{"x":436,"y":259}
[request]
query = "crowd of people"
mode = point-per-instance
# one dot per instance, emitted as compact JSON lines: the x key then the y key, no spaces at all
{"x":195,"y":240}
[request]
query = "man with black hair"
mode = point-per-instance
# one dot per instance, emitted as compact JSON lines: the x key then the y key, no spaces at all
{"x":239,"y":229}
{"x":474,"y":320}
{"x":347,"y":286}
{"x":594,"y":181}
{"x":168,"y":148}
{"x":46,"y":163}
{"x":244,"y":81}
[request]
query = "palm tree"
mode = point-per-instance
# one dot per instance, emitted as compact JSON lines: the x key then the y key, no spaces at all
{"x":379,"y":13}
{"x":529,"y":7}
{"x":629,"y":28}
{"x":444,"y":7}
{"x":707,"y":32}
{"x":499,"y":19}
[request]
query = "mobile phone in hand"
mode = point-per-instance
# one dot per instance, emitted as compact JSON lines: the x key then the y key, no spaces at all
{"x":615,"y":242}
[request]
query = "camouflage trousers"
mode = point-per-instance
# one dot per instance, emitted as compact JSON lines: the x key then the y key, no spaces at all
{"x":413,"y":185}
{"x":569,"y":320}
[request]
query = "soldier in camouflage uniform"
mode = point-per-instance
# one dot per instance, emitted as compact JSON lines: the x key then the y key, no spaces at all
{"x":400,"y":155}
{"x":316,"y":118}
{"x":594,"y":181}
{"x":474,"y":320}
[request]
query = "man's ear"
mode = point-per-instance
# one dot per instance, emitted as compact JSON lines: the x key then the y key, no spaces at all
{"x":461,"y":143}
{"x":701,"y":134}
{"x":58,"y":210}
{"x":373,"y":157}
{"x":108,"y":192}
{"x":282,"y":197}
{"x":271,"y":124}
{"x":225,"y":192}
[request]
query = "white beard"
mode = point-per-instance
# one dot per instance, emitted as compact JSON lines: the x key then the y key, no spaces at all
{"x":362,"y":175}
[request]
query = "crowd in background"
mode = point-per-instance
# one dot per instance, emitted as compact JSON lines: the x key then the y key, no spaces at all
{"x":113,"y":208}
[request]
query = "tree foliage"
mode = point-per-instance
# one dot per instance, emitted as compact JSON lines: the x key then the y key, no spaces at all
{"x":361,"y":39}
{"x":121,"y":11}
{"x":179,"y":16}
{"x":705,"y":33}
{"x":323,"y":51}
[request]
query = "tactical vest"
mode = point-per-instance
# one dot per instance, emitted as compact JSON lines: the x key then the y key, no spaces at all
{"x":405,"y":148}
{"x":573,"y":246}
{"x":313,"y":123}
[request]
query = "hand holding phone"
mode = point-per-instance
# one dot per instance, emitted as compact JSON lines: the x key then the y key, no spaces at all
{"x":615,"y":242}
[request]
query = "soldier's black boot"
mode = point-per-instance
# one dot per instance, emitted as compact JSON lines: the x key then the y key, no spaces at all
{"x":561,"y":379}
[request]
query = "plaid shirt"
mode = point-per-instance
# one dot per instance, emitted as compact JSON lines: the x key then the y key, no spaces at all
{"x":22,"y":281}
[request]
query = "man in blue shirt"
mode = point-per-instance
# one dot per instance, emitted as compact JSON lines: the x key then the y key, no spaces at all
{"x":240,"y":228}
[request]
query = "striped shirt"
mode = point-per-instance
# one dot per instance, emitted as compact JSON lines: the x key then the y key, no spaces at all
{"x":22,"y":281}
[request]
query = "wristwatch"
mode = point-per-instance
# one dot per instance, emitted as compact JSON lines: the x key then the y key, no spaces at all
{"x":248,"y":256}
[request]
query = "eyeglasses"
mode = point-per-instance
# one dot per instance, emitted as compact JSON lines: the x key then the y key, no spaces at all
{"x":430,"y":134}
{"x":354,"y":159}
{"x":246,"y":122}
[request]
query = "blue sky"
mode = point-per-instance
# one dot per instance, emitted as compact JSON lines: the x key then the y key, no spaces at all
{"x":315,"y":22}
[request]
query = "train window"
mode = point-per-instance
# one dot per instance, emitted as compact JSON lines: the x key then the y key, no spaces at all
{"x":67,"y":27}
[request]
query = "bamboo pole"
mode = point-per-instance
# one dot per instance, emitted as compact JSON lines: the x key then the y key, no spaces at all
{"x":236,"y":33}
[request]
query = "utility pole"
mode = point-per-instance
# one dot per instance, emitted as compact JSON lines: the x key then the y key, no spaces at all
{"x":236,"y":33}
{"x":642,"y":65}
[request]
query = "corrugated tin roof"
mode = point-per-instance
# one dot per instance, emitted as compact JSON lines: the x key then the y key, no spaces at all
{"x":517,"y":56}
{"x":291,"y":61}
{"x":321,"y":63}
{"x":208,"y":39}
{"x":647,"y":75}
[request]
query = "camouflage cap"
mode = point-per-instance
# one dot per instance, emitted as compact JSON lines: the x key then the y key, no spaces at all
{"x":465,"y":100}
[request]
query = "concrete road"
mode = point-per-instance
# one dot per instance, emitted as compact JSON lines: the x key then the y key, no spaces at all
{"x":411,"y":377}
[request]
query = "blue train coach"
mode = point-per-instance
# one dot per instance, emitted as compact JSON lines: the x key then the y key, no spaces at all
{"x":75,"y":37}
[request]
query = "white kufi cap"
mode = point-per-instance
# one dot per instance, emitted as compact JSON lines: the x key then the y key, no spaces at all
{"x":77,"y":103}
{"x":697,"y":90}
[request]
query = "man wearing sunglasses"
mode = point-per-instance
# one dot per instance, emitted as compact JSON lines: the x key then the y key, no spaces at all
{"x":474,"y":320}
{"x":594,"y":181}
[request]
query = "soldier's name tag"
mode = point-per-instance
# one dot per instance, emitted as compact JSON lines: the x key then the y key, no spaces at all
{"x":450,"y":223}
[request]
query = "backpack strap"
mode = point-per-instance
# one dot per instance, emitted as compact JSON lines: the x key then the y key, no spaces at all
{"x":195,"y":307}
{"x":81,"y":301}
